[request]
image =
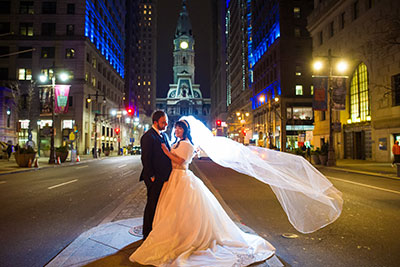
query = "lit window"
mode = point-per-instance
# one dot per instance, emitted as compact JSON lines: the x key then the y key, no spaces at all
{"x":299,"y":89}
{"x":24,"y":74}
{"x":69,"y":53}
{"x":298,"y":73}
{"x":296,"y":12}
{"x":312,"y":89}
{"x":145,"y":12}
{"x":359,"y":94}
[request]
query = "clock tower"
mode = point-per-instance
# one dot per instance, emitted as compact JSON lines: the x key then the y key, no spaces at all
{"x":183,"y":45}
{"x":184,"y":96}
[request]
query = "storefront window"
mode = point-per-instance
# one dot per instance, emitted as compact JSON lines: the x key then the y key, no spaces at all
{"x":300,"y":113}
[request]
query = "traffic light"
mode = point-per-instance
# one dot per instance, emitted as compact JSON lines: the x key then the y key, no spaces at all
{"x":218,"y":123}
{"x":117,"y":130}
{"x":129,"y":111}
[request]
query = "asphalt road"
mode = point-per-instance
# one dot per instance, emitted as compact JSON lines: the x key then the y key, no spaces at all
{"x":366,"y":234}
{"x":43,"y":211}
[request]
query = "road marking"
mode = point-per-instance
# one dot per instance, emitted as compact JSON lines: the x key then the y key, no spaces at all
{"x":3,"y":182}
{"x":81,"y":167}
{"x":129,"y":172}
{"x":54,"y":186}
{"x":122,"y":166}
{"x":365,"y":185}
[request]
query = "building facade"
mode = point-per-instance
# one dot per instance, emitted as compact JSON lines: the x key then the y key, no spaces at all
{"x":146,"y":79}
{"x":219,"y":108}
{"x":269,"y":92}
{"x":184,"y":96}
{"x":238,"y":93}
{"x":85,"y":40}
{"x":365,"y":34}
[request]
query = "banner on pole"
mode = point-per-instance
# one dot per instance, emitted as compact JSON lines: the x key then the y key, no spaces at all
{"x":61,"y":93}
{"x":320,"y":93}
{"x":339,"y":93}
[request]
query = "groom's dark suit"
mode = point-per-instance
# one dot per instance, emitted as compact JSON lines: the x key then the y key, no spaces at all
{"x":155,"y":164}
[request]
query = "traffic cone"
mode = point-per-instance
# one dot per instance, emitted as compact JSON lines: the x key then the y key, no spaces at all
{"x":78,"y":159}
{"x":36,"y":163}
{"x":58,"y":161}
{"x":30,"y":163}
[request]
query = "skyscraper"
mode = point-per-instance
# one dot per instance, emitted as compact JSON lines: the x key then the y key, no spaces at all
{"x":147,"y":56}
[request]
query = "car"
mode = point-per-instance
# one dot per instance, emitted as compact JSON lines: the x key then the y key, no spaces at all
{"x":136,"y":150}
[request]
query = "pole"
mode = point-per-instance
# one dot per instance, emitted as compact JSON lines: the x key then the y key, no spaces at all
{"x":95,"y":136}
{"x":53,"y":157}
{"x":331,"y":151}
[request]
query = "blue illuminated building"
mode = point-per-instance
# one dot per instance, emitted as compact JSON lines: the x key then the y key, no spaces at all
{"x":104,"y":33}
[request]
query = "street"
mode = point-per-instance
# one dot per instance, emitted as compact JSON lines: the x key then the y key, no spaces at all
{"x":43,"y":211}
{"x":366,"y":233}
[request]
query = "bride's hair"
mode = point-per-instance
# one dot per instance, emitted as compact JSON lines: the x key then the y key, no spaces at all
{"x":186,"y":131}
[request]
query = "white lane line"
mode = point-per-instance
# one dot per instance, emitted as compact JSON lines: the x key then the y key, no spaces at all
{"x":365,"y":185}
{"x":54,"y":186}
{"x":129,"y":172}
{"x":81,"y":167}
{"x":121,"y":166}
{"x":3,"y":182}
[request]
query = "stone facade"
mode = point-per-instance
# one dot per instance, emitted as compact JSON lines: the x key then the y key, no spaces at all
{"x":363,"y":33}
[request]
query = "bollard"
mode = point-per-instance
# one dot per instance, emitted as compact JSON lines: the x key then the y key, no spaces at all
{"x":398,"y":169}
{"x":58,"y":161}
{"x":30,"y":163}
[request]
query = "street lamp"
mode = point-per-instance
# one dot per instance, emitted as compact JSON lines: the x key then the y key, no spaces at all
{"x":43,"y":78}
{"x":341,"y":66}
{"x":96,"y":114}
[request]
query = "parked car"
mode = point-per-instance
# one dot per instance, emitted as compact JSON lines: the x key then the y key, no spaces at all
{"x":136,"y":150}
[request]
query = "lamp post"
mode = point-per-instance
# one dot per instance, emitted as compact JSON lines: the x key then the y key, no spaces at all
{"x":341,"y":67}
{"x":43,"y":78}
{"x":268,"y":117}
{"x":96,"y":114}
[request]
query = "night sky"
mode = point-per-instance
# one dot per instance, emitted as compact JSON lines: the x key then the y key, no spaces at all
{"x":200,"y":16}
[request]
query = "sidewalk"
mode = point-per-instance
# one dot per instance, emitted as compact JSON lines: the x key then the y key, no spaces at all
{"x":379,"y":169}
{"x":113,"y":241}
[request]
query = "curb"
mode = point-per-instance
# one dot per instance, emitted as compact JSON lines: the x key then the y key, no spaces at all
{"x":51,"y":166}
{"x":382,"y":175}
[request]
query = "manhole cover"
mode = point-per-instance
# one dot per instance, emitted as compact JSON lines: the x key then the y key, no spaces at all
{"x":290,"y":235}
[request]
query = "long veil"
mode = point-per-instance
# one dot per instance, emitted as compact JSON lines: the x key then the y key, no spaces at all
{"x":308,"y":198}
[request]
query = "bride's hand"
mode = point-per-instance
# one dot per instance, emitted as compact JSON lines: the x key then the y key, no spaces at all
{"x":164,"y":148}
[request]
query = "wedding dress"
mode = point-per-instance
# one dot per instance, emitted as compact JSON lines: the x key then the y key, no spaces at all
{"x":191,"y":228}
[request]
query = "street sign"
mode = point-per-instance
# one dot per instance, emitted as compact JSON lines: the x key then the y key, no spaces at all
{"x":72,"y":136}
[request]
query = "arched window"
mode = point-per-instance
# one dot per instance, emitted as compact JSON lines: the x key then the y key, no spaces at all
{"x":359,"y":95}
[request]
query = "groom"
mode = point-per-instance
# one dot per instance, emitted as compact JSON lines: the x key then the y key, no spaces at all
{"x":156,"y":166}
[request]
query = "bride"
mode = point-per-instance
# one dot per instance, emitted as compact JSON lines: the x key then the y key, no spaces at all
{"x":190,"y":227}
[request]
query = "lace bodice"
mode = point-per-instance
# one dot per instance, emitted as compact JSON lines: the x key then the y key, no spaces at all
{"x":185,"y":150}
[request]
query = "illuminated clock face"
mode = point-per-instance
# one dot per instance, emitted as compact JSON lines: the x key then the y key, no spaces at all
{"x":184,"y":45}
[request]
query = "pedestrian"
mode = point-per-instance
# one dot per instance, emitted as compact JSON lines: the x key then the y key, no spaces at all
{"x":308,"y":153}
{"x":396,"y":153}
{"x":9,"y":151}
{"x":99,"y":150}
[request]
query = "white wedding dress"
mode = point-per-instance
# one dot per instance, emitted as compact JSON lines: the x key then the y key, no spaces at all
{"x":191,"y":228}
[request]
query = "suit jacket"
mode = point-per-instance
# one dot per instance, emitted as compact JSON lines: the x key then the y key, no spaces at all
{"x":155,"y":162}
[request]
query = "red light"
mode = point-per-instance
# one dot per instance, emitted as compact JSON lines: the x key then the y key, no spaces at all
{"x":218,"y":122}
{"x":117,"y":130}
{"x":129,"y":111}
